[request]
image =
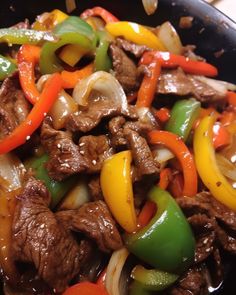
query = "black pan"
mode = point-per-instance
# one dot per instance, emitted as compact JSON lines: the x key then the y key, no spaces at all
{"x":211,"y":32}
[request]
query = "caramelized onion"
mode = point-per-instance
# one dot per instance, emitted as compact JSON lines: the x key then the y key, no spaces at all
{"x":226,"y":167}
{"x":150,"y":6}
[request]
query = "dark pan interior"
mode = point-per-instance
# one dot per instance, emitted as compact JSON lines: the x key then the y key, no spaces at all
{"x":211,"y":32}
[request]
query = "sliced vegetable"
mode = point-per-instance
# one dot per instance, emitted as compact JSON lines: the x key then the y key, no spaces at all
{"x":27,"y":58}
{"x":7,"y":67}
{"x":177,"y":146}
{"x":22,"y":133}
{"x":57,"y":189}
{"x":150,"y":6}
{"x":182,"y":116}
{"x":165,"y":178}
{"x":25,"y":36}
{"x":71,"y":31}
{"x":227,"y":168}
{"x":207,"y":166}
{"x":221,"y":136}
{"x":163,"y":115}
{"x":102,"y":60}
{"x":71,"y":54}
{"x":114,"y":269}
{"x":117,"y":189}
{"x":48,"y":20}
{"x":137,"y":289}
{"x":153,"y":279}
{"x":170,"y":60}
{"x":99,"y":11}
{"x":85,"y":288}
{"x":160,"y":243}
{"x":146,"y":214}
{"x":135,"y":33}
{"x":231,"y":96}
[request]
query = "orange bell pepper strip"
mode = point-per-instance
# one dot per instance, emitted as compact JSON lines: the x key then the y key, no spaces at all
{"x":99,"y":11}
{"x":23,"y":132}
{"x":163,"y":115}
{"x":146,"y":214}
{"x":221,"y":136}
{"x":170,"y":60}
{"x":86,"y":288}
{"x":27,"y":58}
{"x":70,"y":79}
{"x":148,"y":87}
{"x":165,"y":178}
{"x":231,"y":97}
{"x":178,"y":147}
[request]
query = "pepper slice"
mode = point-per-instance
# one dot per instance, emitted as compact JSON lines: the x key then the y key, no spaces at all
{"x":167,"y":242}
{"x":71,"y":31}
{"x":6,"y":67}
{"x":99,"y":11}
{"x":135,"y":33}
{"x":207,"y":166}
{"x":182,"y":116}
{"x":117,"y":189}
{"x":35,"y":117}
{"x":102,"y":60}
{"x":137,"y":288}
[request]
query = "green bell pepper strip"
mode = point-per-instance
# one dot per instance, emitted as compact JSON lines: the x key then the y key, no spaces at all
{"x":57,"y":189}
{"x":167,"y":242}
{"x":6,"y":67}
{"x":71,"y":31}
{"x":102,"y":60}
{"x":25,"y":36}
{"x":153,"y":279}
{"x":182,"y":116}
{"x":137,"y":288}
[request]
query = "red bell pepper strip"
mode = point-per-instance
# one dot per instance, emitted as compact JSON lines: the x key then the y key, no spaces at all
{"x":231,"y":96}
{"x":163,"y":115}
{"x":170,"y":60}
{"x":165,"y":178}
{"x":146,"y":214}
{"x":23,"y":132}
{"x":99,"y":11}
{"x":176,"y":185}
{"x":148,"y":87}
{"x":27,"y":57}
{"x":177,"y":146}
{"x":221,"y":136}
{"x":85,"y":288}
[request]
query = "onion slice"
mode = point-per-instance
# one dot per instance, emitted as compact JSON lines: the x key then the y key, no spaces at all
{"x":114,"y":270}
{"x":221,"y":86}
{"x":150,"y":6}
{"x":227,"y":168}
{"x":103,"y":83}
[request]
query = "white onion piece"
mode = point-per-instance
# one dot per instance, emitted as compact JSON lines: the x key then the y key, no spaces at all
{"x":104,"y":84}
{"x":150,"y":6}
{"x":226,"y":167}
{"x":146,"y":116}
{"x":114,"y":270}
{"x":215,"y":84}
{"x":76,"y":197}
{"x":62,"y":107}
{"x":41,"y":81}
{"x":170,"y":38}
{"x":162,"y":155}
{"x":11,"y":172}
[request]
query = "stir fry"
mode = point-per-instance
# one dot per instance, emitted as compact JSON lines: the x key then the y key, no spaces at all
{"x":117,"y":159}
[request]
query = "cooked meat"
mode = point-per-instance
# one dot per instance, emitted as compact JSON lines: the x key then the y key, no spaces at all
{"x":40,"y":239}
{"x":67,"y":158}
{"x":178,"y":83}
{"x":95,"y":221}
{"x":124,"y":68}
{"x":135,"y":49}
{"x":14,"y":107}
{"x":141,"y":152}
{"x":94,"y":187}
{"x":193,"y":282}
{"x":99,"y":108}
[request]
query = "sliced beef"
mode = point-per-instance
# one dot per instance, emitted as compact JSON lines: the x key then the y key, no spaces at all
{"x":40,"y":239}
{"x":94,"y":187}
{"x":178,"y":83}
{"x":124,"y":68}
{"x":95,"y":221}
{"x":135,"y":49}
{"x":67,"y":158}
{"x":14,"y":107}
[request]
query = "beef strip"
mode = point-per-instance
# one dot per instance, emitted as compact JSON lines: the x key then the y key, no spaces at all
{"x":94,"y":187}
{"x":39,"y":238}
{"x":95,"y":221}
{"x":14,"y":107}
{"x":67,"y":158}
{"x":178,"y":83}
{"x":135,"y":49}
{"x":124,"y":68}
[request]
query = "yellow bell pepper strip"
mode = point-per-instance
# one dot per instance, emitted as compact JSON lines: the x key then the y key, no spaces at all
{"x":148,"y":87}
{"x":70,"y":79}
{"x":71,"y":54}
{"x":48,"y":20}
{"x":207,"y":166}
{"x":177,"y":146}
{"x":135,"y":33}
{"x":117,"y":189}
{"x":7,"y":67}
{"x":99,"y":11}
{"x":27,"y":58}
{"x":23,"y":132}
{"x":71,"y":31}
{"x":170,"y":60}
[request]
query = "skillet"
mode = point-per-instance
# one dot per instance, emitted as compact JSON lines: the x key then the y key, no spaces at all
{"x":211,"y":32}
